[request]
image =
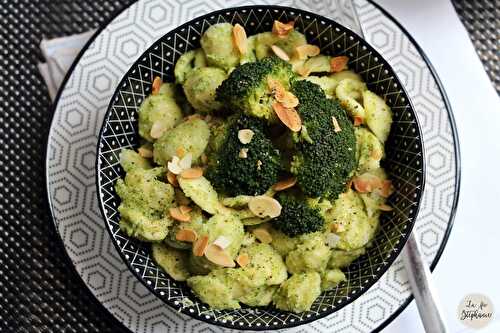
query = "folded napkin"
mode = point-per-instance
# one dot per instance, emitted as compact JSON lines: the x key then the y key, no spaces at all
{"x":59,"y":54}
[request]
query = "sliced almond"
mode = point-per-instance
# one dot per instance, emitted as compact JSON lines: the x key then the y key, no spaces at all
{"x":240,"y":38}
{"x":243,"y":153}
{"x":192,"y":173}
{"x":336,"y":126}
{"x":367,"y":183}
{"x":281,"y":29}
{"x":180,"y":151}
{"x":280,"y":53}
{"x":338,"y":64}
{"x":289,"y":117}
{"x":385,"y":188}
{"x":186,"y":235}
{"x":276,"y":87}
{"x":305,"y":51}
{"x":337,"y":227}
{"x":185,"y":209}
{"x":287,"y":99}
{"x":358,"y":120}
{"x":264,"y":206}
{"x":157,"y":129}
{"x":176,"y":214}
{"x":185,"y":161}
{"x":218,"y":256}
{"x":262,"y":235}
{"x":303,"y":70}
{"x":200,"y":246}
{"x":285,"y":184}
{"x":243,"y":259}
{"x":145,"y":152}
{"x":385,"y":208}
{"x":155,"y":89}
{"x":245,"y":135}
{"x":173,"y":166}
{"x":259,"y":164}
{"x":172,"y":179}
{"x":222,"y":242}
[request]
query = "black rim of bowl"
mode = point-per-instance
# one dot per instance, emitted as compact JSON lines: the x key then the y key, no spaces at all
{"x":394,"y":253}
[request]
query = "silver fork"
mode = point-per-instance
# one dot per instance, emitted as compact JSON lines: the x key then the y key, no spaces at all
{"x":419,"y":274}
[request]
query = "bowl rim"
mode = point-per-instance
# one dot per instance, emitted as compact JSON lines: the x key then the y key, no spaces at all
{"x":394,"y":254}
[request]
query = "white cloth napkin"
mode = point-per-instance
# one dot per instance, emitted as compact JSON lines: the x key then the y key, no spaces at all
{"x":59,"y":54}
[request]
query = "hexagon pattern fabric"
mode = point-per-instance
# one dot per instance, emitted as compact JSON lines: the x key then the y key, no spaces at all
{"x":73,"y":139}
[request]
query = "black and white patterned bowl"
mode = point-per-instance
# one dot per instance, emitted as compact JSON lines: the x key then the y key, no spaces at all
{"x":404,"y":162}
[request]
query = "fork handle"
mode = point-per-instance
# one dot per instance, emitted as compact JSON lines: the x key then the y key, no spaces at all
{"x":419,"y":276}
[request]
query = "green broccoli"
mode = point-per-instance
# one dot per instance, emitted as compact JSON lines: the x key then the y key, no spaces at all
{"x":246,"y":89}
{"x":297,"y":216}
{"x":236,"y":168}
{"x":324,"y":162}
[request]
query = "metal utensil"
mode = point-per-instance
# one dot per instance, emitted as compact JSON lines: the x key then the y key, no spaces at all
{"x":419,"y":274}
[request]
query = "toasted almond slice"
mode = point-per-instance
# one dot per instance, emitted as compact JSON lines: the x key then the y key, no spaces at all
{"x":155,"y":89}
{"x":145,"y":152}
{"x":366,"y":183}
{"x":176,"y":214}
{"x":243,"y":153}
{"x":173,"y":166}
{"x":157,"y":129}
{"x":192,"y":173}
{"x":262,"y":235}
{"x":240,"y":38}
{"x":264,"y":206}
{"x":186,"y":235}
{"x":200,"y":246}
{"x":222,"y":242}
{"x":185,"y":162}
{"x":172,"y":179}
{"x":218,"y":256}
{"x":289,"y":117}
{"x":385,"y":188}
{"x":281,"y":29}
{"x":287,"y":99}
{"x":243,"y":259}
{"x":358,"y":120}
{"x":338,"y":64}
{"x":336,"y":126}
{"x":285,"y":184}
{"x":278,"y":51}
{"x":276,"y":87}
{"x":303,"y":70}
{"x":245,"y":135}
{"x":185,"y":209}
{"x":194,"y":116}
{"x":259,"y":164}
{"x":337,"y":227}
{"x":308,"y":50}
{"x":385,"y":208}
{"x":180,"y":151}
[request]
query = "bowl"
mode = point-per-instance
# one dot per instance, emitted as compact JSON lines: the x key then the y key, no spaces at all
{"x":404,"y":162}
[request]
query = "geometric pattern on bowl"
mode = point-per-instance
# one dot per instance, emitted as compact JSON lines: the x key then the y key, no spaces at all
{"x":404,"y":162}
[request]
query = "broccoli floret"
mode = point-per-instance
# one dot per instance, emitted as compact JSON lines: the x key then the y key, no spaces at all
{"x":246,"y":89}
{"x":297,"y":216}
{"x":230,"y":171}
{"x":324,"y":163}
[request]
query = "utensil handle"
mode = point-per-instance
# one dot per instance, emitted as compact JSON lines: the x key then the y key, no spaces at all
{"x":423,"y":290}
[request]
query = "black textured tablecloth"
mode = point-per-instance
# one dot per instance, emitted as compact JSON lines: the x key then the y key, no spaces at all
{"x":39,"y":289}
